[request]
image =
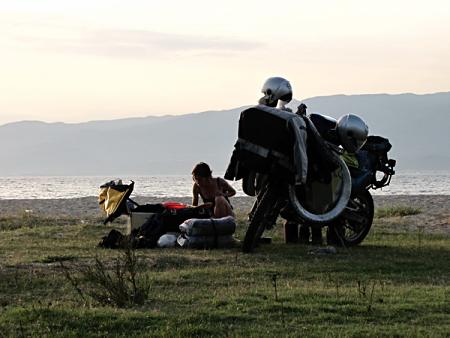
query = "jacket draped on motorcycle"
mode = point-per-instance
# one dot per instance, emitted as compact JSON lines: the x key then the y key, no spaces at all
{"x":270,"y":140}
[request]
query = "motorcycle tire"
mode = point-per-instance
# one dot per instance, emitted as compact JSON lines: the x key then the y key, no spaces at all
{"x":326,"y":217}
{"x":257,"y":223}
{"x":351,"y":232}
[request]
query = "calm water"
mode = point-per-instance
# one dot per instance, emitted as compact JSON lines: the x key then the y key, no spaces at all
{"x":403,"y":183}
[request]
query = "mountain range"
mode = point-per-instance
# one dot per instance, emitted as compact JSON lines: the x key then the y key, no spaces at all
{"x":416,"y":125}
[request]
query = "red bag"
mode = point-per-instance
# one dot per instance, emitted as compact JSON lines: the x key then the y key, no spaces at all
{"x":174,"y":205}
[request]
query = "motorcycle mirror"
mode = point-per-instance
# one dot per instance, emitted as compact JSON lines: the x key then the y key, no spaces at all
{"x":392,"y":163}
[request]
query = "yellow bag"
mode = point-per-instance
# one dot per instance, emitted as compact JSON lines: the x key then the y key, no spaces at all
{"x":112,"y":199}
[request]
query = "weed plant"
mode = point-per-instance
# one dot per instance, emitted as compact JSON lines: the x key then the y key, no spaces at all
{"x":121,"y":285}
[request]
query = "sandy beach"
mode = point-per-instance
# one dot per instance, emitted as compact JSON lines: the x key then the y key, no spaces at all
{"x":434,"y":216}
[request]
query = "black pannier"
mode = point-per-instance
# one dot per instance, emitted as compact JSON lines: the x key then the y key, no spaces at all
{"x":375,"y":147}
{"x":377,"y":144}
{"x":267,"y":130}
{"x":265,"y":145}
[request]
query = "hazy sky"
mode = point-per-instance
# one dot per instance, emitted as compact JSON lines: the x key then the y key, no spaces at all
{"x":87,"y":60}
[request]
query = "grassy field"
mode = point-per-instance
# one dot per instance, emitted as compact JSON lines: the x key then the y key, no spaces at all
{"x":395,"y":284}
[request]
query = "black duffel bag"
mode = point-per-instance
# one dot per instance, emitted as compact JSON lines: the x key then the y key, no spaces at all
{"x":169,"y":220}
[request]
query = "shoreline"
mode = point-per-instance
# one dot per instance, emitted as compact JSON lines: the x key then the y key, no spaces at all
{"x":434,"y":216}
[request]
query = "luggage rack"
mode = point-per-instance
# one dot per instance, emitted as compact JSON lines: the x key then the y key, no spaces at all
{"x":388,"y":170}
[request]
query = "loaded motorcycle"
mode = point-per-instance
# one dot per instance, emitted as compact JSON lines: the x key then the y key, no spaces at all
{"x":332,"y":195}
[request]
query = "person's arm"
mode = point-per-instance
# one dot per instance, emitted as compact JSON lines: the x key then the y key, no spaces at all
{"x":227,"y":189}
{"x":194,"y":195}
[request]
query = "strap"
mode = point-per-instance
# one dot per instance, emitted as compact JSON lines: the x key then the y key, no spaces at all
{"x":129,"y":199}
{"x":254,"y":148}
{"x":265,"y":152}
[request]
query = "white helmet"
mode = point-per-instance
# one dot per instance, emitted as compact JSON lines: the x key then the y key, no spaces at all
{"x":352,"y":131}
{"x":274,"y":89}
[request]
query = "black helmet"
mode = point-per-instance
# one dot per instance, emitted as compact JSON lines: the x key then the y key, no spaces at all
{"x":352,"y":131}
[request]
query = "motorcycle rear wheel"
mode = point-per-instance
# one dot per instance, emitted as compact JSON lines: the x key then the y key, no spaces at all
{"x":258,"y":220}
{"x":351,"y":232}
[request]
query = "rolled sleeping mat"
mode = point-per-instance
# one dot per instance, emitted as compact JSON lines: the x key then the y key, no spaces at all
{"x":206,"y":242}
{"x":209,"y":226}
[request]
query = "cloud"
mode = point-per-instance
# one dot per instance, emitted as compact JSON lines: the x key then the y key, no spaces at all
{"x":134,"y":43}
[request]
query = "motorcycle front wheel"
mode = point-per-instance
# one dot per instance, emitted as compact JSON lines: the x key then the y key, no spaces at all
{"x":258,"y":221}
{"x":355,"y":222}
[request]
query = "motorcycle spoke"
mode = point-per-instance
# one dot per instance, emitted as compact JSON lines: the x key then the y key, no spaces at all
{"x":348,"y":226}
{"x":350,"y":230}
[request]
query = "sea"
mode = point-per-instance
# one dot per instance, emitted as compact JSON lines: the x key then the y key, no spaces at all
{"x":56,"y":187}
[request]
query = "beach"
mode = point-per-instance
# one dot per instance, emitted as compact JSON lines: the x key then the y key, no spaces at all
{"x":434,"y":216}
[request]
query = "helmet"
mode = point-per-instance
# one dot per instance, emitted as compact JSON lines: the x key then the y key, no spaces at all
{"x":352,"y":131}
{"x":274,"y":89}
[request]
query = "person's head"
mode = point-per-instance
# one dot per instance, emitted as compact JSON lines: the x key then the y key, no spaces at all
{"x":276,"y":90}
{"x":352,"y":131}
{"x":201,"y":172}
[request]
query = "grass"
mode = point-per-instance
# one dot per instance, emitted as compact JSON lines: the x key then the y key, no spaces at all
{"x":396,"y":211}
{"x":394,"y":284}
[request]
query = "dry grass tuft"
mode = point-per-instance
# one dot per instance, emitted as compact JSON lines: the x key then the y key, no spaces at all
{"x":396,"y":210}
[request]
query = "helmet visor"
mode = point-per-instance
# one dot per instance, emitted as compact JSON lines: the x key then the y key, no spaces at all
{"x":286,"y":98}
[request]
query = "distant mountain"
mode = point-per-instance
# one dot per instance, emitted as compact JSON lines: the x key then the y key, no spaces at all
{"x":152,"y":145}
{"x":417,"y":126}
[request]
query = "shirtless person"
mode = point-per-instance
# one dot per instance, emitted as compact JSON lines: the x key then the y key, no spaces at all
{"x":214,"y":190}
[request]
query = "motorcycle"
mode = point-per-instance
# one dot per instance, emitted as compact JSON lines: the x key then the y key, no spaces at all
{"x":346,"y":206}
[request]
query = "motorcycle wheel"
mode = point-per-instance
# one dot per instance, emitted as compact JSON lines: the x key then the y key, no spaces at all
{"x":257,"y":223}
{"x":344,"y":197}
{"x":351,"y":232}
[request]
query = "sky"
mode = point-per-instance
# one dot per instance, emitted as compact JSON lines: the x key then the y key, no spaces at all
{"x":74,"y":61}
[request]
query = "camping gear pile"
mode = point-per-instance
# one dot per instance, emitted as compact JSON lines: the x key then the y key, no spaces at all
{"x":207,"y":233}
{"x":166,"y":224}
